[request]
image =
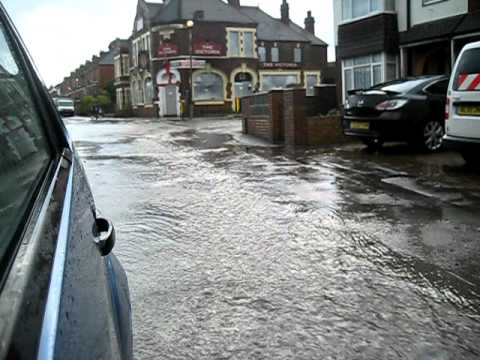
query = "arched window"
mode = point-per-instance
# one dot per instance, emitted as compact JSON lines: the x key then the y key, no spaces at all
{"x":208,"y":86}
{"x":149,"y":91}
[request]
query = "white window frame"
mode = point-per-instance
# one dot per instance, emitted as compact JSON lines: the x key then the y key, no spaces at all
{"x":241,"y":42}
{"x":297,"y":74}
{"x":117,"y":66}
{"x":351,"y":18}
{"x":383,"y":63}
{"x":306,"y":74}
{"x":278,"y":54}
{"x":260,"y":58}
{"x":296,"y":51}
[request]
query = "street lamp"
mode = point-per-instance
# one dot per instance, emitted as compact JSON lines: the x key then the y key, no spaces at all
{"x":190,"y":25}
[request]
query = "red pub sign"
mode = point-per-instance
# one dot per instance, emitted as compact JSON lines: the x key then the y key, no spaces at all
{"x":167,"y":49}
{"x":208,"y":48}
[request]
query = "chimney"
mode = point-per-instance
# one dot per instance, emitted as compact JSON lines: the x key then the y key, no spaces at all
{"x":285,"y":10}
{"x":235,"y":3}
{"x":310,"y":23}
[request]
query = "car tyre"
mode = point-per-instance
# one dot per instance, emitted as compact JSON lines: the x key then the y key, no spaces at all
{"x":433,"y":132}
{"x":373,"y":144}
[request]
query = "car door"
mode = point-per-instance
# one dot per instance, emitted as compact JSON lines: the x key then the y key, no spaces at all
{"x":464,"y":96}
{"x":437,"y":97}
{"x":56,"y":274}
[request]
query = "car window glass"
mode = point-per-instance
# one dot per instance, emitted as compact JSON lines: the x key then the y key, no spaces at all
{"x":24,"y":149}
{"x":468,"y":65}
{"x":439,"y":88}
{"x":400,"y":86}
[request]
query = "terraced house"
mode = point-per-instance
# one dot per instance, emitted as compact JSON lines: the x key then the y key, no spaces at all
{"x":379,"y":40}
{"x":234,"y":51}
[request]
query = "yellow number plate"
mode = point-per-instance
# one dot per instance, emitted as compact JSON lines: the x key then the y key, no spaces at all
{"x":359,"y":125}
{"x":469,"y":110}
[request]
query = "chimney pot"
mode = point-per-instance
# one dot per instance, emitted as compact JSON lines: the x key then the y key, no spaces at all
{"x":310,"y":23}
{"x":285,"y":11}
{"x":235,"y":3}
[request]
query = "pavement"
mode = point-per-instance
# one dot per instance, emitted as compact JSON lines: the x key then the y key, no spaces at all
{"x":238,"y":249}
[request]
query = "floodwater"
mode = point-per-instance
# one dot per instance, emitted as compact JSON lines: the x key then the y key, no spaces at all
{"x":239,"y":250}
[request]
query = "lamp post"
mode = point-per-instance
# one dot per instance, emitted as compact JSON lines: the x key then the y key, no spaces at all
{"x":190,"y":25}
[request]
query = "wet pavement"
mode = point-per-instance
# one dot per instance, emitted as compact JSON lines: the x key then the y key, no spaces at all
{"x":240,"y":250}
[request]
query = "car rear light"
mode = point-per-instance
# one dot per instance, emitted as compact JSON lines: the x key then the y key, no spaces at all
{"x":391,"y":105}
{"x":447,"y":109}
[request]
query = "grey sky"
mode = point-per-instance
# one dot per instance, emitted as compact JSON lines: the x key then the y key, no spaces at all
{"x":62,"y":34}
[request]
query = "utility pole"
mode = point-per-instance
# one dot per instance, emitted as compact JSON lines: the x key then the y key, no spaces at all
{"x":190,"y":25}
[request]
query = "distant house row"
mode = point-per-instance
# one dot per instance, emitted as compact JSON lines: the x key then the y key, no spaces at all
{"x":235,"y":50}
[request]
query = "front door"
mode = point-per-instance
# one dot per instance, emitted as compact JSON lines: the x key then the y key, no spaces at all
{"x":171,"y":100}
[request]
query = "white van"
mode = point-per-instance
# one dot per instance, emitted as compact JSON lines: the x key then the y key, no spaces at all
{"x":463,"y":105}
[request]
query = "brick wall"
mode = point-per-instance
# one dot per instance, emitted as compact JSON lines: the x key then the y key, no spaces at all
{"x":294,"y":117}
{"x":267,"y":124}
{"x":325,"y":130}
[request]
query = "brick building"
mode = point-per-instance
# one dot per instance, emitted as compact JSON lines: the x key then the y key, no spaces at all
{"x":94,"y":75}
{"x":379,"y":40}
{"x":121,"y":66}
{"x":236,"y":50}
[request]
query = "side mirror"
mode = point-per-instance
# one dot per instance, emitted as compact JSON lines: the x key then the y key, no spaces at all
{"x":106,"y":238}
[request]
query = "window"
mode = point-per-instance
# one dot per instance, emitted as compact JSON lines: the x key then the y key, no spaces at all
{"x":248,"y":46}
{"x":139,"y":24}
{"x":365,"y":71}
{"x":275,"y":54}
{"x":297,"y":55}
{"x":241,"y":43}
{"x":119,"y":93}
{"x":117,"y":67}
{"x":208,"y":87}
{"x":468,"y":65}
{"x":438,"y":88}
{"x":352,"y":9}
{"x":24,"y":149}
{"x":234,"y":43}
{"x":125,"y":65}
{"x":279,"y":81}
{"x":262,"y":53}
{"x":311,"y":81}
{"x":127,"y":99}
{"x":149,"y":94}
{"x":140,"y":93}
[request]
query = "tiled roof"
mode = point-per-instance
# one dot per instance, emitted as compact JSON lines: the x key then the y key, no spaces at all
{"x":272,"y":29}
{"x":107,"y":58}
{"x":268,"y":29}
{"x":213,"y":10}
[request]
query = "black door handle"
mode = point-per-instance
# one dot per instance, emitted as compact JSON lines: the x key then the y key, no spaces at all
{"x":106,"y":237}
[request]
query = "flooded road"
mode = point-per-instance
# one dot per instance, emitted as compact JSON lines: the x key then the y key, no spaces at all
{"x":238,"y":250}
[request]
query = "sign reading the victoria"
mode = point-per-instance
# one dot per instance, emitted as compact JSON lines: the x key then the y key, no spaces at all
{"x":167,"y":49}
{"x":208,"y":48}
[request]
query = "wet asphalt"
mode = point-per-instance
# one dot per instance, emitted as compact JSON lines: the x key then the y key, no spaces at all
{"x":236,"y":249}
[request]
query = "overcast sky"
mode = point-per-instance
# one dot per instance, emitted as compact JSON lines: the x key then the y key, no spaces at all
{"x":62,"y":34}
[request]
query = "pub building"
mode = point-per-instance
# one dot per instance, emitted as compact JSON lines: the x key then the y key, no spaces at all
{"x":235,"y":50}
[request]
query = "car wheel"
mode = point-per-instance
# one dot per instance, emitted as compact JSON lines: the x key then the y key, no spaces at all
{"x":433,"y":133}
{"x":373,"y":144}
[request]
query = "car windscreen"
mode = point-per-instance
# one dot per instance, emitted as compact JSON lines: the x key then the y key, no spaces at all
{"x":467,"y":75}
{"x":400,"y":86}
{"x":65,"y":103}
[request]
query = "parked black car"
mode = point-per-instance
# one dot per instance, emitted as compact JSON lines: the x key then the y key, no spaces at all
{"x":410,"y":109}
{"x":63,"y":294}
